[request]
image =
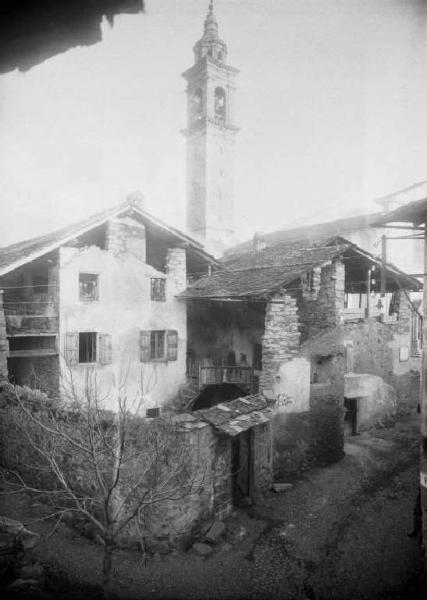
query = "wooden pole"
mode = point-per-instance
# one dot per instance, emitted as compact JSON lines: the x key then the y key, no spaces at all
{"x":383,"y":263}
{"x":368,"y":294}
{"x":423,"y":402}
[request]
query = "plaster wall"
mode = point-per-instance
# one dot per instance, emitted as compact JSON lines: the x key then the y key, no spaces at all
{"x":124,"y":309}
{"x":376,"y":400}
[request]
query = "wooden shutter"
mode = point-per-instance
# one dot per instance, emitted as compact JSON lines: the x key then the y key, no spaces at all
{"x":72,"y":348}
{"x":105,"y":348}
{"x":144,"y":345}
{"x":172,"y":345}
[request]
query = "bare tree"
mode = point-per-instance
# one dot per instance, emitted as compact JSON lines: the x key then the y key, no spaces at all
{"x":110,"y":468}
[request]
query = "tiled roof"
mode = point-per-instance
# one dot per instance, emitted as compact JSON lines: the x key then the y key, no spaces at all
{"x":309,"y":234}
{"x":294,"y":253}
{"x":20,"y":253}
{"x":256,"y":275}
{"x":238,"y":415}
{"x":255,"y":283}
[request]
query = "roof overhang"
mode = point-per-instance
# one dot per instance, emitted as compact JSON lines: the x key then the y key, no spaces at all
{"x":414,"y":213}
{"x":126,"y":208}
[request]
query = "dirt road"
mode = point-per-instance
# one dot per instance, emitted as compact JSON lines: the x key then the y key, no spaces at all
{"x":344,"y":530}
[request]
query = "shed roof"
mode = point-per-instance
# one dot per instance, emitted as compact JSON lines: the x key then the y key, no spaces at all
{"x":16,"y":255}
{"x":238,"y":415}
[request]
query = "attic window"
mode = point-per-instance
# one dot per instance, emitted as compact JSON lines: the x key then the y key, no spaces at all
{"x":88,"y":287}
{"x":158,"y":289}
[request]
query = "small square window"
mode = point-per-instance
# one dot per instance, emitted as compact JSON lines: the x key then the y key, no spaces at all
{"x":88,"y":287}
{"x":87,"y":347}
{"x":157,"y":344}
{"x":158,"y":289}
{"x":152,"y":413}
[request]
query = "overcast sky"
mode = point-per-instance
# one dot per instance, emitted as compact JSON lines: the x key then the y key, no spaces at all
{"x":331,"y":102}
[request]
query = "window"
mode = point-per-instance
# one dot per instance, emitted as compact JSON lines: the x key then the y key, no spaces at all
{"x":88,"y":287}
{"x":158,"y":345}
{"x":87,"y":347}
{"x":158,"y":289}
{"x":152,"y":413}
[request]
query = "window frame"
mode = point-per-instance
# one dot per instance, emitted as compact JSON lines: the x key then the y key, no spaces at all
{"x":154,"y":342}
{"x":88,"y":299}
{"x":157,"y":295}
{"x":95,"y":338}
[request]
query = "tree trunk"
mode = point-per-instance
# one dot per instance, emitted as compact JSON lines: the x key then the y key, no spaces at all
{"x":107,"y":571}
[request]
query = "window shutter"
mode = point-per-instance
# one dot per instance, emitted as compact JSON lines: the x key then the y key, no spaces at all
{"x":105,"y":348}
{"x":172,"y":345}
{"x":144,"y":346}
{"x":72,"y":348}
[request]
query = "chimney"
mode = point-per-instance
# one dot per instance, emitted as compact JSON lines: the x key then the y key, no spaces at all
{"x":137,"y":199}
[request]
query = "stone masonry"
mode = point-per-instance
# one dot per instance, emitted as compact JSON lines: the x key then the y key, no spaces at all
{"x":281,"y":337}
{"x":326,"y":309}
{"x":176,"y":268}
{"x":124,"y":235}
{"x":4,"y":344}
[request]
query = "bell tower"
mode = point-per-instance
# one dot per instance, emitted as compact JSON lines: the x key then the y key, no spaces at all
{"x":210,"y":137}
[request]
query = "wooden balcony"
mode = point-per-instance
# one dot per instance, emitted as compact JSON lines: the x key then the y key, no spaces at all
{"x":38,"y":313}
{"x":215,"y":375}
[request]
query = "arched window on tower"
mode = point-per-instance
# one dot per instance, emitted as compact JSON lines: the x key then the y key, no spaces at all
{"x":220,"y":106}
{"x":197,"y":105}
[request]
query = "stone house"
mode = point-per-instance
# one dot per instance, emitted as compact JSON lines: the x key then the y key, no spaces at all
{"x":96,"y":301}
{"x":279,"y":321}
{"x":97,"y":304}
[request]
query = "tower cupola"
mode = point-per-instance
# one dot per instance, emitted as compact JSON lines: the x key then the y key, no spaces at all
{"x":210,"y":45}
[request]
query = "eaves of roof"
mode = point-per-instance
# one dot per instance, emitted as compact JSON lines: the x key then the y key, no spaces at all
{"x":16,"y":255}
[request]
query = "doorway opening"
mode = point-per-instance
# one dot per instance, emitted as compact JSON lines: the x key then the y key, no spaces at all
{"x":242,"y":467}
{"x":350,"y":416}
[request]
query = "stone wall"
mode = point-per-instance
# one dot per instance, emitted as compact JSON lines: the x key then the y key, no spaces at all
{"x":4,"y":345}
{"x":176,"y":268}
{"x":324,"y":308}
{"x":126,"y":235}
{"x":280,"y":342}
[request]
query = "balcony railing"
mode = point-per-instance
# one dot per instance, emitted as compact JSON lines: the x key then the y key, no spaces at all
{"x":213,"y":375}
{"x":38,"y":313}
